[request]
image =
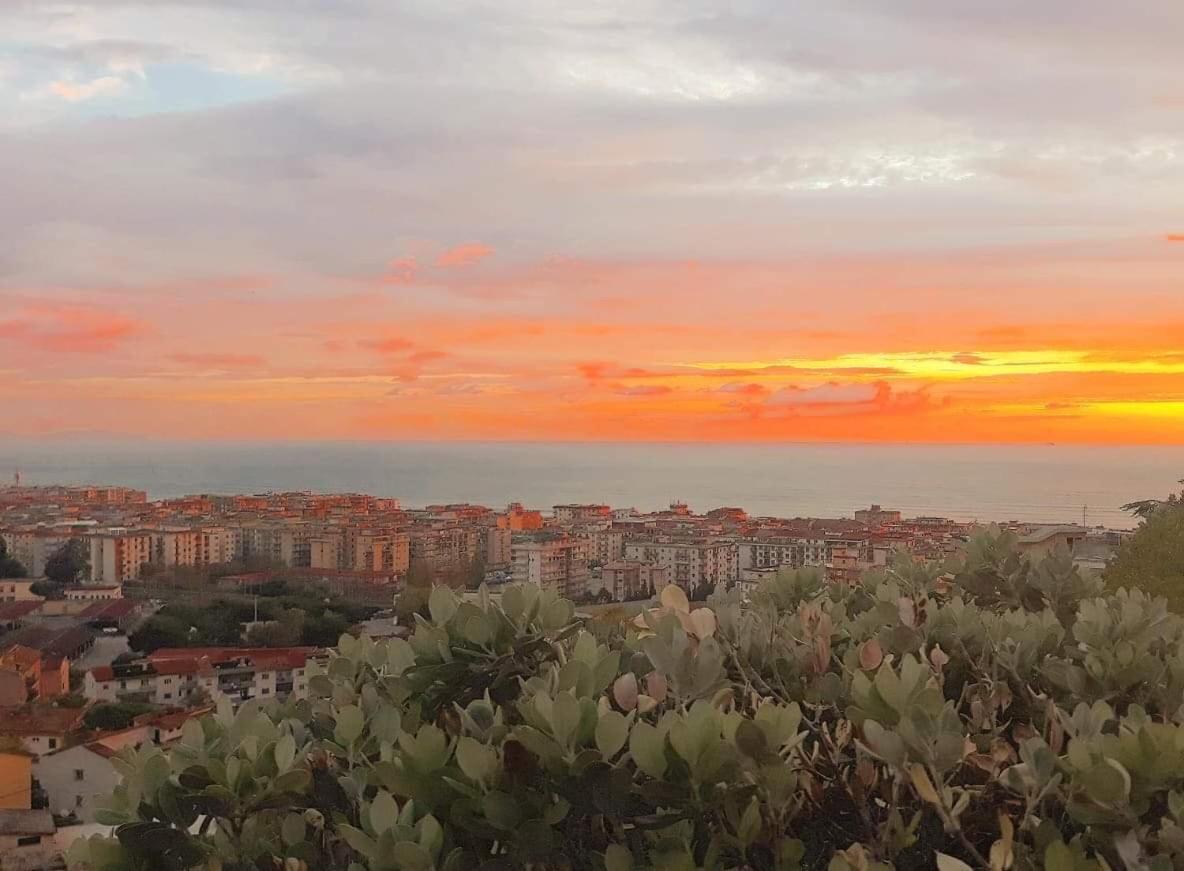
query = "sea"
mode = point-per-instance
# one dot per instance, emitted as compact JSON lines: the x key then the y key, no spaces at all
{"x":1047,"y":483}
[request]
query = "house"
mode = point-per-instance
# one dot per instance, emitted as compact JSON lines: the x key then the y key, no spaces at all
{"x":16,"y":779}
{"x":27,"y":841}
{"x":75,"y":778}
{"x":40,"y":728}
{"x":94,"y":592}
{"x":166,"y":728}
{"x":69,"y":640}
{"x":45,"y":676}
{"x":1043,"y":541}
{"x":19,"y":590}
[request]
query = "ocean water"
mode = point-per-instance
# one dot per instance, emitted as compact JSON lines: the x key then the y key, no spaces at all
{"x":1033,"y":483}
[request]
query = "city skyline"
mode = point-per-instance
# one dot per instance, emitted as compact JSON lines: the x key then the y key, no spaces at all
{"x":655,"y":221}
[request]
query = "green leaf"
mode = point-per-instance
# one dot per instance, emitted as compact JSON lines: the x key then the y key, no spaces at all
{"x":285,"y":753}
{"x":647,"y":745}
{"x":612,"y":731}
{"x":501,"y":810}
{"x":350,"y":724}
{"x":1058,"y":857}
{"x":384,"y":812}
{"x":442,"y":604}
{"x":478,"y":761}
{"x":359,"y":840}
{"x":617,"y":858}
{"x":409,"y":856}
{"x":750,"y":823}
{"x":292,"y":829}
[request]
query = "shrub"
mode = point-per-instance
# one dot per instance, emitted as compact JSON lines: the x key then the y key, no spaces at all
{"x":987,"y":715}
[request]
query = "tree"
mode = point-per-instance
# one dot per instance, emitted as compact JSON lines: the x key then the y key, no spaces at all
{"x":1152,"y":560}
{"x":46,"y":589}
{"x":68,"y":563}
{"x":114,"y":716}
{"x":10,"y":567}
{"x":161,"y":630}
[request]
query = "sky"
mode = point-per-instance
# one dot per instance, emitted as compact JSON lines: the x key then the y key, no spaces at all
{"x":843,"y":220}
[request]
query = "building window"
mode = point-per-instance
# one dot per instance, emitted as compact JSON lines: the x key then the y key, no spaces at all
{"x":78,"y":801}
{"x":53,"y":743}
{"x":28,"y":841}
{"x":79,"y":774}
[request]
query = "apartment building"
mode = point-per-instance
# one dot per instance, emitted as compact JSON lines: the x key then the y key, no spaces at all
{"x":176,"y":547}
{"x":31,"y":548}
{"x":566,"y":515}
{"x":172,"y":676}
{"x":382,"y":552}
{"x":117,"y":556}
{"x":604,"y":545}
{"x":760,"y":553}
{"x":627,"y":580}
{"x":689,"y":562}
{"x":551,"y":560}
{"x":498,"y":544}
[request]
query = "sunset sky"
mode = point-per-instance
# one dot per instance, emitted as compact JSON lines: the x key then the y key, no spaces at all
{"x":766,"y":220}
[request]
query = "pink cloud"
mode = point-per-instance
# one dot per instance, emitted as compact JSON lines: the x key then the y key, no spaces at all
{"x":400,"y":271}
{"x":74,"y":329}
{"x":464,"y":255}
{"x":426,"y":356}
{"x":389,"y":345}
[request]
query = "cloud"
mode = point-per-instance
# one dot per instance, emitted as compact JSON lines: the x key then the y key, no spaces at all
{"x":77,"y":92}
{"x":744,"y":389}
{"x":218,"y":361}
{"x":426,"y":356}
{"x":826,"y":394}
{"x":1175,"y":237}
{"x":70,"y":329}
{"x":399,"y":271}
{"x":644,"y":390}
{"x":464,"y":255}
{"x":967,"y":358}
{"x":387,"y":345}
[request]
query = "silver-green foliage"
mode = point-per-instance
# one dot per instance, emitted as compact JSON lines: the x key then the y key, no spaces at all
{"x":990,"y":714}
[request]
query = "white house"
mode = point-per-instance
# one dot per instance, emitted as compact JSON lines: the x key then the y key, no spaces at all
{"x":76,"y":777}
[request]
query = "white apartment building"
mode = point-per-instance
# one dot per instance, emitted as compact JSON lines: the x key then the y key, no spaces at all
{"x":169,"y":677}
{"x":554,"y":561}
{"x":688,"y":562}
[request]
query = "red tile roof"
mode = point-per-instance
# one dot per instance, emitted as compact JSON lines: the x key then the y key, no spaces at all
{"x":17,"y":610}
{"x":39,"y":720}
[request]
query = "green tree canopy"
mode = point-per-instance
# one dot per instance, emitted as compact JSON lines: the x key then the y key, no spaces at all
{"x":10,"y":567}
{"x":69,"y":563}
{"x":1152,"y":559}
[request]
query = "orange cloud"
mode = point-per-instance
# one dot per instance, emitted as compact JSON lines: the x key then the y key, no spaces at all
{"x":70,"y":329}
{"x":464,"y":255}
{"x":228,"y":361}
{"x":644,"y":390}
{"x":1176,"y":237}
{"x":389,"y":345}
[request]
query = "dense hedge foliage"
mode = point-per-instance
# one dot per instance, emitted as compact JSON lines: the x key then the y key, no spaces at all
{"x":993,"y":714}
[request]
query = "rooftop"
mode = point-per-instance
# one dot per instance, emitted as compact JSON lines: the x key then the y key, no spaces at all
{"x":39,"y":720}
{"x":26,"y":822}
